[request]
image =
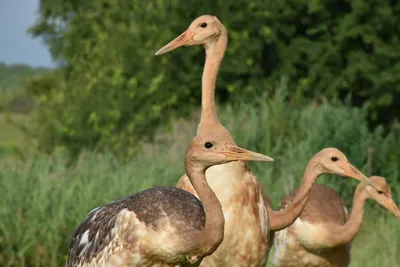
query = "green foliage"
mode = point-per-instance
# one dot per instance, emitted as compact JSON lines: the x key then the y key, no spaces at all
{"x":12,"y":92}
{"x":45,"y":198}
{"x":292,"y":135}
{"x":116,"y":91}
{"x":14,"y":141}
{"x":12,"y":75}
{"x":49,"y":91}
{"x":331,"y":48}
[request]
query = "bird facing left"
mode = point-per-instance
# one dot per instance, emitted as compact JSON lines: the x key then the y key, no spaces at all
{"x":160,"y":226}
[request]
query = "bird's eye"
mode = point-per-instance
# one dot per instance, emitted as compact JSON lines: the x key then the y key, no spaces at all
{"x":203,"y":25}
{"x":334,"y":159}
{"x":380,"y":192}
{"x":208,"y":145}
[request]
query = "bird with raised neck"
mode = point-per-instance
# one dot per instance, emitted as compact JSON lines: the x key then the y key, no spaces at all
{"x":237,"y":188}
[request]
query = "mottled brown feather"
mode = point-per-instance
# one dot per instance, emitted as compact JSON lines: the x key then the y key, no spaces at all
{"x":184,"y":211}
{"x":242,"y":210}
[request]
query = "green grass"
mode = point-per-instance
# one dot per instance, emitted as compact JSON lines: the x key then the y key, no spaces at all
{"x":45,"y":198}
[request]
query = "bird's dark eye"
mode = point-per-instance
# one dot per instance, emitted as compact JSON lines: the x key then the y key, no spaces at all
{"x":203,"y":25}
{"x":334,"y":159}
{"x":380,"y":192}
{"x":208,"y":145}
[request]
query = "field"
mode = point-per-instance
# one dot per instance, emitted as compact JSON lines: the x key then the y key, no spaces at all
{"x":44,"y":197}
{"x":108,"y":118}
{"x":13,"y":140}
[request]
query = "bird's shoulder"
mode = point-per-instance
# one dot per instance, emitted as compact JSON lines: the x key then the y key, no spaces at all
{"x":151,"y":206}
{"x":324,"y":204}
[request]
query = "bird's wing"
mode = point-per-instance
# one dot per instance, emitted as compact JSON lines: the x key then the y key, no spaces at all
{"x":95,"y":233}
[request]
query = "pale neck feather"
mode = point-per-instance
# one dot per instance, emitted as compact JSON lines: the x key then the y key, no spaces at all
{"x":209,"y":122}
{"x":343,"y":234}
{"x":285,"y":217}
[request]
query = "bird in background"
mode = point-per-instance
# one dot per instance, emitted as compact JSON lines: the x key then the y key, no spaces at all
{"x":322,"y":235}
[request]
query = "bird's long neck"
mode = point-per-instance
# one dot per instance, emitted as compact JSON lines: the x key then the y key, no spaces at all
{"x":214,"y":56}
{"x":213,"y":232}
{"x":283,"y":218}
{"x":209,"y":119}
{"x":343,"y":234}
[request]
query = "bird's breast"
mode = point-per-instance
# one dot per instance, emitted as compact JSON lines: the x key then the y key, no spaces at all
{"x":246,"y":222}
{"x":301,"y":245}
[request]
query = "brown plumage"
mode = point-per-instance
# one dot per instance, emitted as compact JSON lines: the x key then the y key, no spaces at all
{"x":327,"y":161}
{"x":237,"y":188}
{"x":161,"y":226}
{"x":322,"y":235}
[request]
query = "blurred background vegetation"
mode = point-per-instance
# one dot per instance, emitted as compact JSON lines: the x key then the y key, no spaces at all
{"x":112,"y":119}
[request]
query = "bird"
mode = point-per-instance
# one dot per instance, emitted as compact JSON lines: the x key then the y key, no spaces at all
{"x":327,"y":161}
{"x":160,"y":226}
{"x":247,"y":237}
{"x":322,"y":235}
{"x":237,"y":188}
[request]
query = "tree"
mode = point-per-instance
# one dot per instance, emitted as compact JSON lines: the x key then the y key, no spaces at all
{"x":116,"y":91}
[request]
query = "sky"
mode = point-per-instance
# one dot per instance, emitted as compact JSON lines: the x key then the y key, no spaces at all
{"x":16,"y":46}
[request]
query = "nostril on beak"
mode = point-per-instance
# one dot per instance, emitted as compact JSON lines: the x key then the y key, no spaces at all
{"x":237,"y":150}
{"x":354,"y":170}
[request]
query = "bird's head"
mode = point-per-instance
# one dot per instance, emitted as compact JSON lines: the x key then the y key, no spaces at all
{"x":333,"y":161}
{"x":206,"y":150}
{"x":382,"y":196}
{"x":204,"y":30}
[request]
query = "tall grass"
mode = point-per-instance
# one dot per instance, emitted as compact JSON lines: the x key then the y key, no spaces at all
{"x":44,"y":199}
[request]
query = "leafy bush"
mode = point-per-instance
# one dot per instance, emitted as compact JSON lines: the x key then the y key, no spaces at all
{"x":116,"y":91}
{"x":12,"y":92}
{"x":11,"y":75}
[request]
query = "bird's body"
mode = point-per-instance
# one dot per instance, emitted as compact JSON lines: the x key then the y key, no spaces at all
{"x":161,"y":226}
{"x":153,"y":220}
{"x":328,"y":160}
{"x":309,"y":229}
{"x":322,"y":235}
{"x":246,"y":236}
